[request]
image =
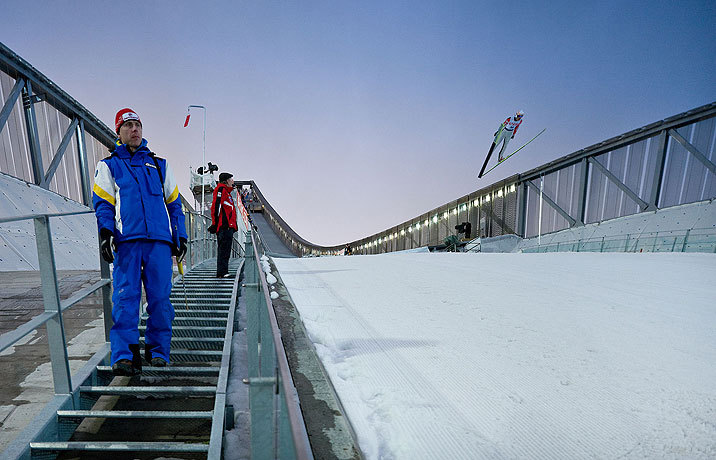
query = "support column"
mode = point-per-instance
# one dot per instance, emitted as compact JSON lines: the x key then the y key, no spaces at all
{"x":51,"y":297}
{"x":658,"y":176}
{"x":521,"y":212}
{"x":83,"y":161}
{"x":33,"y":136}
{"x":582,"y":192}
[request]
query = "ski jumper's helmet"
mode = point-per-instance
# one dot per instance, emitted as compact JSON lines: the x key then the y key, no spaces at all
{"x":519,"y":114}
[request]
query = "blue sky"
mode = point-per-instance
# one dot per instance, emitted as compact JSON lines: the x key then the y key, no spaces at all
{"x":355,"y":116}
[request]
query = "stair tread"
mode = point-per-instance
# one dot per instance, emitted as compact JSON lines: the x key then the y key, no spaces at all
{"x":115,"y":446}
{"x":134,"y":414}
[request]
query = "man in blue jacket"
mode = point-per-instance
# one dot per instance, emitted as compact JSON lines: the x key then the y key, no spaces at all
{"x":141,"y":225}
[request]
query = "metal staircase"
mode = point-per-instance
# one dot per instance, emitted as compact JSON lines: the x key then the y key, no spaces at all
{"x":177,"y":411}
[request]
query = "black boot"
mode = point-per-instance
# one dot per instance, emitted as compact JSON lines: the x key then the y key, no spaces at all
{"x":124,"y":367}
{"x":156,"y":361}
{"x":136,"y":358}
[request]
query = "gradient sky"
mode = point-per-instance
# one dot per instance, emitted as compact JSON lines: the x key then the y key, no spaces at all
{"x":355,"y":116}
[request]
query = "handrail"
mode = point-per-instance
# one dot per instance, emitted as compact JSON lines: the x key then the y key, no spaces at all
{"x":4,"y":220}
{"x":629,"y":242}
{"x":53,"y":305}
{"x":301,"y":444}
{"x":8,"y":339}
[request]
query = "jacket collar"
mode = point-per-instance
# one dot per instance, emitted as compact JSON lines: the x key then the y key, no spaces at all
{"x":122,"y":151}
{"x":221,"y":184}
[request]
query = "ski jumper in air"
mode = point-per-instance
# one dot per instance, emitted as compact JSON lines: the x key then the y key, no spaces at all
{"x":507,"y":131}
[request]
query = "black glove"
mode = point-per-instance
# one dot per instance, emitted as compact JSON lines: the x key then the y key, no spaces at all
{"x":212,"y":228}
{"x":180,"y":252}
{"x":106,"y":245}
{"x":513,"y":136}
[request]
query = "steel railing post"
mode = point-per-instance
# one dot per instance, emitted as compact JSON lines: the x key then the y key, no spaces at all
{"x":106,"y":298}
{"x":267,"y":355}
{"x":51,"y":296}
{"x":263,"y":418}
{"x":33,"y":136}
{"x":686,"y":240}
{"x":190,"y":243}
{"x":85,"y":174}
{"x":251,"y":292}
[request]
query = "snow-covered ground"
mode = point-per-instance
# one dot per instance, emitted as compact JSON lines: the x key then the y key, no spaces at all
{"x":559,"y":355}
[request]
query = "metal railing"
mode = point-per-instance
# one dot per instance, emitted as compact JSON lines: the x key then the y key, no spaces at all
{"x":53,"y":305}
{"x":277,"y":426}
{"x":691,"y":240}
{"x":200,"y":247}
{"x":201,"y":244}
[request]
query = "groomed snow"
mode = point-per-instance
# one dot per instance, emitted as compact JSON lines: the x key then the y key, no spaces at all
{"x":561,"y":355}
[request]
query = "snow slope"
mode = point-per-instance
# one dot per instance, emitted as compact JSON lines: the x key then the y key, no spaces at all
{"x":558,"y":355}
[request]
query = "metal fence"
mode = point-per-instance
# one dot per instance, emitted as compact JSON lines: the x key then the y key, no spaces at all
{"x":52,"y":315}
{"x":277,"y":426}
{"x":199,"y":248}
{"x":690,"y":240}
{"x":54,"y":307}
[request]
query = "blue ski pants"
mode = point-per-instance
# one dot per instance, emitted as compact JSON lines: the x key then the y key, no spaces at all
{"x":137,"y":262}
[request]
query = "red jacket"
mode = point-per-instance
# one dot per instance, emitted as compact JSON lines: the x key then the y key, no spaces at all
{"x":223,"y":210}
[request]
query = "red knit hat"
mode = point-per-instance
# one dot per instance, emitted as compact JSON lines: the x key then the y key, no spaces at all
{"x":125,"y":115}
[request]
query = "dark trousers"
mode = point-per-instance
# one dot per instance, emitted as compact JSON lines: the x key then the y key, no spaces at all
{"x":224,"y":238}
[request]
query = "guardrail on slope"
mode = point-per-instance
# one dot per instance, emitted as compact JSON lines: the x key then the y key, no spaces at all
{"x":277,"y":426}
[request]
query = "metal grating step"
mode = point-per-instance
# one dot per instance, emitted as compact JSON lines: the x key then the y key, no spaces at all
{"x":199,"y":356}
{"x":149,"y":391}
{"x":134,"y":414}
{"x":183,"y":313}
{"x":195,"y":343}
{"x":192,"y":371}
{"x":175,"y":447}
{"x":219,"y":285}
{"x":204,"y":322}
{"x":201,"y":304}
{"x":200,"y":295}
{"x":192,"y":331}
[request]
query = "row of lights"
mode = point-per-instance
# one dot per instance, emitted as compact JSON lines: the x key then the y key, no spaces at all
{"x":475,"y":203}
{"x":303,"y":248}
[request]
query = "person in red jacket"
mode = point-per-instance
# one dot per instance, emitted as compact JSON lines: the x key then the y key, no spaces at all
{"x":223,"y":222}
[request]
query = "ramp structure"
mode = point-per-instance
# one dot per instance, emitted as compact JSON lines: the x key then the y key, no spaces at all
{"x":665,"y":164}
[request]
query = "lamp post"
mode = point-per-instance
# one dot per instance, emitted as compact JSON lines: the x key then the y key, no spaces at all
{"x":203,"y":152}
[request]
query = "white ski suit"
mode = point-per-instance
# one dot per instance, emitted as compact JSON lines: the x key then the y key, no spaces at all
{"x":508,"y":131}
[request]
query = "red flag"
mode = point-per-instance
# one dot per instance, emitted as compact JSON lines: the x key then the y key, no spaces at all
{"x":186,"y":122}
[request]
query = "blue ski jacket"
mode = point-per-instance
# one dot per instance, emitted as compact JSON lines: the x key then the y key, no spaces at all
{"x":136,"y":196}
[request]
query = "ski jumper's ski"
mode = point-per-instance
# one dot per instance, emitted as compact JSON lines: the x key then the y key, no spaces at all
{"x":489,"y":154}
{"x":508,"y":156}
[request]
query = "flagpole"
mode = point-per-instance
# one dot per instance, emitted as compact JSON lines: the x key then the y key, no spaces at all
{"x":203,"y":153}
